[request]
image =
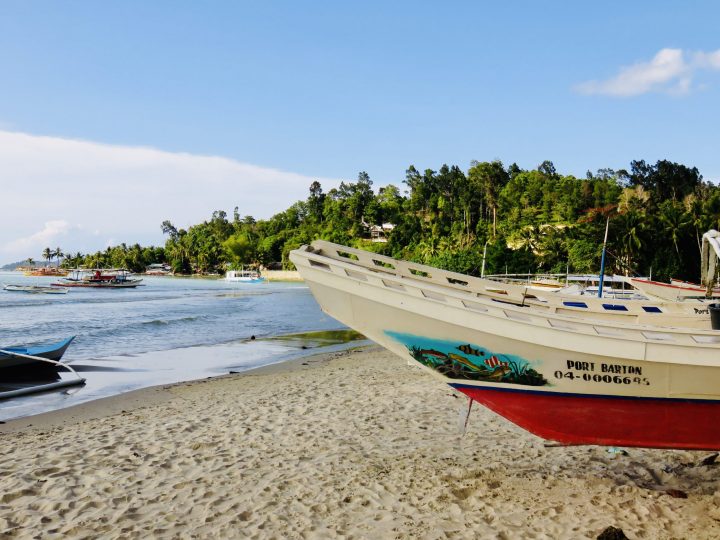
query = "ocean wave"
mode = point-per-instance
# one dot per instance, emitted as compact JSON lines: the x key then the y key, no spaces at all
{"x":166,"y":322}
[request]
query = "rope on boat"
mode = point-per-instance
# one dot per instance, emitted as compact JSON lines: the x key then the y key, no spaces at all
{"x":41,"y":359}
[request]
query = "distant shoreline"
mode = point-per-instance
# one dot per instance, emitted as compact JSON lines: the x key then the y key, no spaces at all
{"x":269,"y":275}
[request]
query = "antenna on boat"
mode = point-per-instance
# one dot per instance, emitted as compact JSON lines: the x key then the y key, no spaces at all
{"x":602,"y":260}
{"x":482,"y":272}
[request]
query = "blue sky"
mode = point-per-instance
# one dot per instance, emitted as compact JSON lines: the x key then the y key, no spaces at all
{"x":327,"y":89}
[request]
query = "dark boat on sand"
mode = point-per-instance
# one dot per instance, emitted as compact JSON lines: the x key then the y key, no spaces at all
{"x":16,"y":357}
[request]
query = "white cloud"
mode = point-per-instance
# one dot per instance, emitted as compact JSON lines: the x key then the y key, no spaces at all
{"x":670,"y":71}
{"x":80,"y":192}
{"x":52,"y":232}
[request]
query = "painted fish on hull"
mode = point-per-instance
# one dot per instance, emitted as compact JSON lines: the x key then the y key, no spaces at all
{"x":469,"y":349}
{"x":442,"y":356}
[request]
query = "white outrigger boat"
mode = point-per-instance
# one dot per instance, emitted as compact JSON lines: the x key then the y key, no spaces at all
{"x":243,"y":276}
{"x":691,"y":313}
{"x":682,"y":291}
{"x":35,"y":289}
{"x":675,"y":291}
{"x":591,"y":375}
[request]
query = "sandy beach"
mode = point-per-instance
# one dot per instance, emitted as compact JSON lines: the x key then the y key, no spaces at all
{"x":355,"y":444}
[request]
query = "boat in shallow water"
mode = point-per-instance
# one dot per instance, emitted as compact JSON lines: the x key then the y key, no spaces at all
{"x":109,"y":278}
{"x":564,"y":377}
{"x":35,"y":289}
{"x":243,"y":276}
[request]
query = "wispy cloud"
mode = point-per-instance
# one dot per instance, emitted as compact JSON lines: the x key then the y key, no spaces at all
{"x":81,"y":192}
{"x":670,"y":71}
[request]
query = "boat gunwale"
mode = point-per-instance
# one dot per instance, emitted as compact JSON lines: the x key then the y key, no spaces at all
{"x":634,"y":333}
{"x":486,"y":286}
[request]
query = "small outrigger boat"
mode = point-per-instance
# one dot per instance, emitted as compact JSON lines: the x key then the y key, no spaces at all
{"x":585,"y":376}
{"x":19,"y":365}
{"x":108,"y":278}
{"x":35,"y":289}
{"x":14,"y":357}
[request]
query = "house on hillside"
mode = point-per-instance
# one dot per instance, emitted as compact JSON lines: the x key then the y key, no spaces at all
{"x":379,"y":233}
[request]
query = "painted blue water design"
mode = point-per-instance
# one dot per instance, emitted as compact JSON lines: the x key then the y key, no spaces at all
{"x":169,"y":330}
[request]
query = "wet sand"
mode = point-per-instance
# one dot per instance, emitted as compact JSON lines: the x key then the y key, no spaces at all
{"x":355,"y":444}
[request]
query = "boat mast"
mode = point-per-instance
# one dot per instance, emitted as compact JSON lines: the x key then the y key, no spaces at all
{"x":602,"y":260}
{"x":482,"y":272}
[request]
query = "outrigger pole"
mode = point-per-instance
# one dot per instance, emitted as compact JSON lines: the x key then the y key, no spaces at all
{"x":43,"y":387}
{"x":602,"y":260}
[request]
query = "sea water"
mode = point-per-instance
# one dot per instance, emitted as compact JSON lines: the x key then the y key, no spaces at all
{"x":168,"y":330}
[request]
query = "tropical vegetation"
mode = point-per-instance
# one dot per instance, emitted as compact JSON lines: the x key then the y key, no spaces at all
{"x":514,"y":220}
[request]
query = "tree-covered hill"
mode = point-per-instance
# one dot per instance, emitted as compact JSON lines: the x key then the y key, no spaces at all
{"x":530,"y":220}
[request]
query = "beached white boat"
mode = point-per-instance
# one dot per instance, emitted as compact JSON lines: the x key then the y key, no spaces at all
{"x":692,"y":313}
{"x":243,"y":276}
{"x":571,"y":379}
{"x":624,"y":306}
{"x":675,"y":291}
{"x":573,"y":284}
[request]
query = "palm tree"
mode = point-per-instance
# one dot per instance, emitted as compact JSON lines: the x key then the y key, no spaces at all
{"x":675,"y":221}
{"x":630,"y":229}
{"x":31,"y":261}
{"x":551,"y":246}
{"x":58,"y":253}
{"x":48,"y":254}
{"x":429,"y":248}
{"x":528,"y":238}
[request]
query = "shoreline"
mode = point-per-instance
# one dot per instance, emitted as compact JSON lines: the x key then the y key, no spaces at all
{"x":111,"y":375}
{"x":350,"y":444}
{"x":149,"y":395}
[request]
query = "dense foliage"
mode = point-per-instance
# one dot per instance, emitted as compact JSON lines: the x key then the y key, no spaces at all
{"x":526,"y":221}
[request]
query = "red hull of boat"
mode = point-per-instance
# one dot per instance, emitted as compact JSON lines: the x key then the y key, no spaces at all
{"x":606,"y":420}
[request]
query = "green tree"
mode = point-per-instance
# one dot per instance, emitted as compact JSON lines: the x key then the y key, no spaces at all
{"x":675,"y":221}
{"x":239,"y":250}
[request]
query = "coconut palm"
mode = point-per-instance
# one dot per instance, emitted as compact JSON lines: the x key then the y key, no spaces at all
{"x":675,"y":221}
{"x":629,"y":228}
{"x":429,"y":248}
{"x":58,"y":253}
{"x":528,"y":238}
{"x":48,"y":254}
